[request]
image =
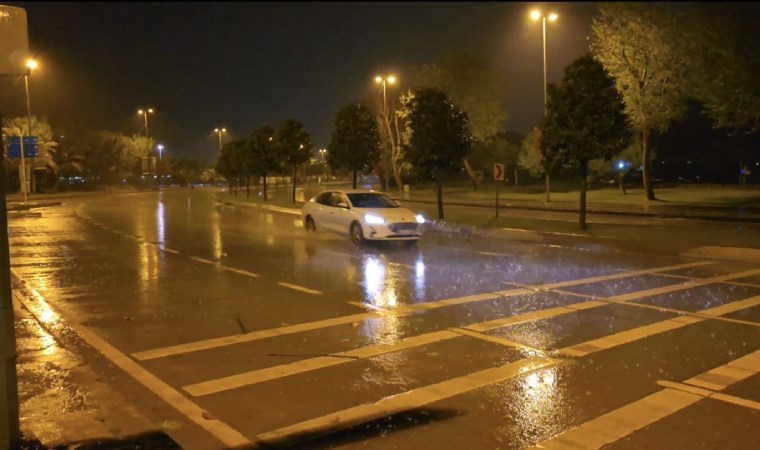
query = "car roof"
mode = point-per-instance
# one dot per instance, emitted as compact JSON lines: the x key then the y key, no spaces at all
{"x":355,"y":191}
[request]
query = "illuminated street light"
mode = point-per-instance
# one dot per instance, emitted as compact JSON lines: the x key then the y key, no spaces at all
{"x":535,"y":15}
{"x":160,"y":150}
{"x":219,"y":132}
{"x":144,"y":112}
{"x":390,"y":79}
{"x":30,"y":64}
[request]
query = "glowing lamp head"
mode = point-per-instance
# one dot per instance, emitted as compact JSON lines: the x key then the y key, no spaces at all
{"x":535,"y":14}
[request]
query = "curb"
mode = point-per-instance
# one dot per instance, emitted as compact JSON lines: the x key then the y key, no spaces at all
{"x":655,"y":215}
{"x":750,"y":255}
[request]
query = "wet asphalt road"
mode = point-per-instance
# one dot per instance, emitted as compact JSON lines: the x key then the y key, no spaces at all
{"x":230,"y":326}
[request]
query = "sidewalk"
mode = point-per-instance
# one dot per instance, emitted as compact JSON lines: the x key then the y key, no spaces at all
{"x":64,"y":404}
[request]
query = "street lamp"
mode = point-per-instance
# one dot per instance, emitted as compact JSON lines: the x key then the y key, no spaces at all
{"x":30,"y":64}
{"x":535,"y":15}
{"x":160,"y":149}
{"x":144,"y":113}
{"x":219,"y":132}
{"x":390,"y":79}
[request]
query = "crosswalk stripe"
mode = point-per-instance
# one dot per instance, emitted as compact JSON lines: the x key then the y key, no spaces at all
{"x":566,"y":309}
{"x":399,"y":311}
{"x":271,"y":373}
{"x":634,"y":416}
{"x":395,"y":404}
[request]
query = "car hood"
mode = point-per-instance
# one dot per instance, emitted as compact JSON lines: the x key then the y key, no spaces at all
{"x":391,"y":215}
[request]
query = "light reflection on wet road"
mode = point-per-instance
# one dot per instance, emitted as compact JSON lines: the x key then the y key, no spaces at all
{"x":310,"y":325}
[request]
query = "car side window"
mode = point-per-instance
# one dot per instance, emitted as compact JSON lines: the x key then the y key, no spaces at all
{"x":325,"y":198}
{"x":338,"y":198}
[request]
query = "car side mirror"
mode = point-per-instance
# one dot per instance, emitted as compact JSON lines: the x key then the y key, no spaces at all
{"x":343,"y":205}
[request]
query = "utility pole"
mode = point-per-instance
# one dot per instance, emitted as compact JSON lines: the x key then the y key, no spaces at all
{"x":10,"y":429}
{"x":14,"y":45}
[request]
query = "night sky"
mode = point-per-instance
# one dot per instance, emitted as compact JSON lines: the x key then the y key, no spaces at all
{"x":239,"y":65}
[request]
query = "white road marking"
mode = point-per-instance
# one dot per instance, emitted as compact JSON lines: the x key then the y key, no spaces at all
{"x":300,"y":288}
{"x":202,"y":260}
{"x":271,"y":373}
{"x":252,"y":336}
{"x":399,"y":311}
{"x":500,"y":341}
{"x":220,"y":430}
{"x":168,"y":250}
{"x":623,"y":298}
{"x":711,"y":394}
{"x":395,"y":404}
{"x":623,"y":421}
{"x":240,"y":271}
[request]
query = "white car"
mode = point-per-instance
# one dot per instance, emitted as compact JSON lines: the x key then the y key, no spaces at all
{"x":362,"y":215}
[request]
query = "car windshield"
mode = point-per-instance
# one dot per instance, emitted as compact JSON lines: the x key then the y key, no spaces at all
{"x":371,"y":201}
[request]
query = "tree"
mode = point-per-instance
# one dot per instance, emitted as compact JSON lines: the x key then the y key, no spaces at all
{"x":437,"y":136}
{"x":638,"y":44}
{"x":477,"y":88}
{"x":585,"y":120}
{"x":46,"y":146}
{"x":355,"y":142}
{"x":261,"y":157}
{"x":719,"y":45}
{"x":295,"y":145}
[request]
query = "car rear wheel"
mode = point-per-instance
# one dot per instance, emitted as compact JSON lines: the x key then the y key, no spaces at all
{"x":309,"y":224}
{"x":356,"y":233}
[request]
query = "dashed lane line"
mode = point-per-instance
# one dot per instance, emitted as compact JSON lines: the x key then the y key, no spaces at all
{"x":230,"y":437}
{"x":399,"y":311}
{"x":240,"y":271}
{"x":624,"y":421}
{"x":299,"y":288}
{"x":202,"y":260}
{"x":395,"y":404}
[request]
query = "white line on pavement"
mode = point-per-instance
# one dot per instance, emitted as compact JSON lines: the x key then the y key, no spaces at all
{"x":634,"y":416}
{"x":395,"y":404}
{"x":284,"y":370}
{"x":399,"y":311}
{"x":240,"y":271}
{"x":220,"y":430}
{"x":300,"y":288}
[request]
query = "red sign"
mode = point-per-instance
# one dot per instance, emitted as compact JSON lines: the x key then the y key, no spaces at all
{"x":498,"y":172}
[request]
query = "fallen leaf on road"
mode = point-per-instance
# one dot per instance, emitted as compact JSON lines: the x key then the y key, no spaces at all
{"x":207,"y":416}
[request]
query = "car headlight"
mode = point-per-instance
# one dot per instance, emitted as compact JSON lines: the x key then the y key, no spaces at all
{"x":373,"y":219}
{"x":420,"y":218}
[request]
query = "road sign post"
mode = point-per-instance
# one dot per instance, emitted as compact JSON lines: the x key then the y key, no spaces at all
{"x":498,"y":175}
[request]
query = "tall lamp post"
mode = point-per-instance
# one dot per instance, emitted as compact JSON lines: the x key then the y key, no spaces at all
{"x":144,"y":113}
{"x":219,"y":132}
{"x":30,"y":64}
{"x":383,"y":80}
{"x":536,"y":15}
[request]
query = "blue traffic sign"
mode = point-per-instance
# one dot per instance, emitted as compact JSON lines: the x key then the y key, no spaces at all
{"x":14,"y":146}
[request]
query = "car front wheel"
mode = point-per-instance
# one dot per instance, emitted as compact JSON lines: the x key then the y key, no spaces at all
{"x":357,"y":235}
{"x":310,"y":225}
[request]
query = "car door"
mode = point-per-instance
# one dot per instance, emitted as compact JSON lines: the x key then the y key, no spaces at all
{"x":321,"y":211}
{"x":342,"y":214}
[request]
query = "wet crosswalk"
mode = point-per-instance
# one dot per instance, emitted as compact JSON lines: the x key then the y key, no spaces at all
{"x":570,"y":362}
